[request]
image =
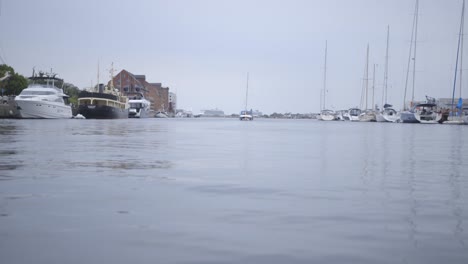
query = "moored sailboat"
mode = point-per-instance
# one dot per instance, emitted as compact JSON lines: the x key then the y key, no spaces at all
{"x":387,"y":113}
{"x":246,"y":115}
{"x":428,"y":112}
{"x":456,"y":114}
{"x":326,"y":114}
{"x":368,"y":115}
{"x":407,"y":115}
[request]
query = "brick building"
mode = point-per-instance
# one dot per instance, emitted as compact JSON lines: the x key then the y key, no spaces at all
{"x":128,"y":82}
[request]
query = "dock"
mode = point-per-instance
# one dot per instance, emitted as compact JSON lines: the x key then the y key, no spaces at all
{"x":8,"y":108}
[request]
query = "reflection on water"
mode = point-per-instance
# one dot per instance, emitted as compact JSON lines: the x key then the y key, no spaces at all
{"x":456,"y":163}
{"x":268,"y":191}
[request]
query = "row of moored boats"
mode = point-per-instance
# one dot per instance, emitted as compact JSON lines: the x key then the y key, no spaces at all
{"x":43,"y":99}
{"x":429,"y":112}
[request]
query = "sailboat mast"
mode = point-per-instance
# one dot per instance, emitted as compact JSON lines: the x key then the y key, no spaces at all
{"x":386,"y":68}
{"x":459,"y":48}
{"x":462,"y":27}
{"x":98,"y":76}
{"x":367,"y":74}
{"x":409,"y":56}
{"x":247,"y":92}
{"x":373,"y":87}
{"x":415,"y":41}
{"x":325,"y":76}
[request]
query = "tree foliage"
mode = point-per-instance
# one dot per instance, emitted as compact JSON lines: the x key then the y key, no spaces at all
{"x":72,"y":91}
{"x":14,"y":84}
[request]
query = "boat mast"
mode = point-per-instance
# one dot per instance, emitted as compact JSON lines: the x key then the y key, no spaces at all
{"x":459,"y":52}
{"x":367,"y":74}
{"x":111,"y":71}
{"x":98,"y":77}
{"x":247,"y":92}
{"x":386,"y":69}
{"x":410,"y":53}
{"x":462,"y":28}
{"x":415,"y":41}
{"x":325,"y":76}
{"x":373,"y":87}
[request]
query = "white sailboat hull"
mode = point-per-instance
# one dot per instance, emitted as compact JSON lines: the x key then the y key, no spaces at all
{"x":379,"y":117}
{"x":367,"y":117}
{"x":327,"y":117}
{"x":433,"y":118}
{"x":246,"y":117}
{"x":407,"y":117}
{"x":387,"y":115}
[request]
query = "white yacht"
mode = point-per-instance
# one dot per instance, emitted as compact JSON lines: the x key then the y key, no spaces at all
{"x":139,"y":106}
{"x":42,"y":99}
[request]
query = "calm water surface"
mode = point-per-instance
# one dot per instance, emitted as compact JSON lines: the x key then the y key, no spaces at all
{"x":224,"y":191}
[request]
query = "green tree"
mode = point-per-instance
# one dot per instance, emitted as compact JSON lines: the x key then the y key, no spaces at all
{"x":72,"y":91}
{"x":14,"y":84}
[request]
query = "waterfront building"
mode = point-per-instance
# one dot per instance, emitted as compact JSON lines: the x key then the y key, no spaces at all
{"x":158,"y":95}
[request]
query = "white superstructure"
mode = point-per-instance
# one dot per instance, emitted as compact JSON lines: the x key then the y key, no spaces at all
{"x":139,"y":106}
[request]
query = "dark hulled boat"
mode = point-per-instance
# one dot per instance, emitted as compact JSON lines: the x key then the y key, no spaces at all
{"x":94,"y":105}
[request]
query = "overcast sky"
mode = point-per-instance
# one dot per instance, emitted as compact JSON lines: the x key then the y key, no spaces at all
{"x":203,"y":49}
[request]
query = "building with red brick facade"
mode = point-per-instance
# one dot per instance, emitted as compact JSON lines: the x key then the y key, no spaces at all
{"x":128,"y":82}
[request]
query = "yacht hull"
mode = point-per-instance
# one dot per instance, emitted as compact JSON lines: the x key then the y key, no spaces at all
{"x":134,"y":113}
{"x":33,"y":109}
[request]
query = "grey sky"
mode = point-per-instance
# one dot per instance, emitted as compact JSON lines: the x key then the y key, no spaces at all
{"x":203,"y":50}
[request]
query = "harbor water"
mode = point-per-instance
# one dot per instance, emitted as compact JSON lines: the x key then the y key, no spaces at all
{"x":225,"y":191}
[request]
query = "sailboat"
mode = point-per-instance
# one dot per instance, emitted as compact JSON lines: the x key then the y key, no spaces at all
{"x":246,"y":115}
{"x":387,"y":114}
{"x":428,"y":112}
{"x":368,"y":115}
{"x":457,"y":114}
{"x":407,"y":115}
{"x":326,"y":114}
